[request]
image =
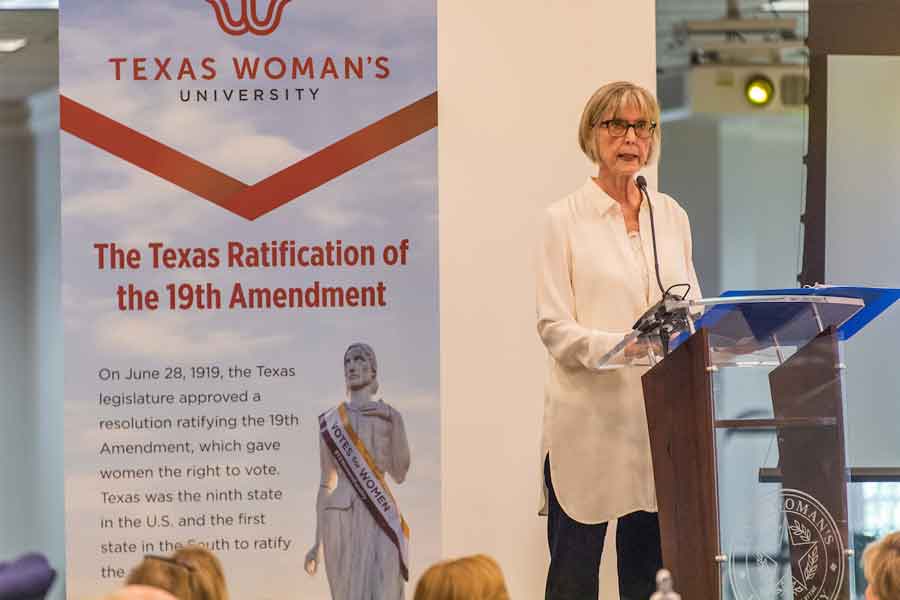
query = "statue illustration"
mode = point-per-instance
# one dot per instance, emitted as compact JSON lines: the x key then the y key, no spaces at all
{"x":359,"y":527}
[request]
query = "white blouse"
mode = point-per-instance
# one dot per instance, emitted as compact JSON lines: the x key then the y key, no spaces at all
{"x":591,"y":287}
{"x":637,"y":248}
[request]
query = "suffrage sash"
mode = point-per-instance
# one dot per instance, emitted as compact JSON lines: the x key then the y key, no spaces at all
{"x":354,"y":459}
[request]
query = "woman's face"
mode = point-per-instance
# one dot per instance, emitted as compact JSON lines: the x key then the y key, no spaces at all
{"x":622,"y":156}
{"x":358,"y":371}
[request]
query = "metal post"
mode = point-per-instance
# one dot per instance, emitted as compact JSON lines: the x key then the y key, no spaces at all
{"x":734,"y":10}
{"x":815,"y":309}
{"x":651,"y":354}
{"x":778,"y":349}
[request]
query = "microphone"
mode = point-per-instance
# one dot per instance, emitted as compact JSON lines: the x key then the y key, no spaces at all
{"x":642,"y":186}
{"x":657,"y":318}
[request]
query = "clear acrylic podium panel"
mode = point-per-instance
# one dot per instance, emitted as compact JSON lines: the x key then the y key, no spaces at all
{"x":784,"y":523}
{"x":765,"y":514}
{"x":745,"y":331}
{"x":783,"y":520}
{"x":788,"y":526}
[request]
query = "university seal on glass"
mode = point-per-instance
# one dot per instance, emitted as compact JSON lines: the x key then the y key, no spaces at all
{"x":792,"y":548}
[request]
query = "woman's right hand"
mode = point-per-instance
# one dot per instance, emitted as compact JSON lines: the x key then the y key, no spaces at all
{"x":640,"y":347}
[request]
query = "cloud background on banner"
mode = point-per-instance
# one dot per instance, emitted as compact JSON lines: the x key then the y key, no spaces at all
{"x":173,"y":337}
{"x":214,"y":133}
{"x":381,"y":202}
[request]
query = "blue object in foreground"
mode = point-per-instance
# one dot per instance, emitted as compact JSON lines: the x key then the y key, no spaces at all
{"x":26,"y":578}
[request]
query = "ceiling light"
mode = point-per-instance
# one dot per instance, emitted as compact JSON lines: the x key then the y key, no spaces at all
{"x":12,"y":44}
{"x":759,"y":90}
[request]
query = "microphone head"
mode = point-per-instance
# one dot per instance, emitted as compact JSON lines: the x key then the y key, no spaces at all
{"x":642,"y":183}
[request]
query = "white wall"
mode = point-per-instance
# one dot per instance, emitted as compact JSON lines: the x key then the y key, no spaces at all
{"x":741,"y":180}
{"x":17,"y":415}
{"x":47,"y":335}
{"x":863,"y":226}
{"x":690,"y":172}
{"x":762,"y":177}
{"x":513,"y":78}
{"x":31,"y":414}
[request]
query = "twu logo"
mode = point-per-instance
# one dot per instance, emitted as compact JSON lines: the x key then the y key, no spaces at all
{"x":249,"y":20}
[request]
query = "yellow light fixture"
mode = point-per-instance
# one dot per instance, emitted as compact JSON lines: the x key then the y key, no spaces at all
{"x":759,"y":90}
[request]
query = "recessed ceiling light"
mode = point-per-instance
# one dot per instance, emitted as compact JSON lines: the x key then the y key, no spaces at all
{"x":12,"y":44}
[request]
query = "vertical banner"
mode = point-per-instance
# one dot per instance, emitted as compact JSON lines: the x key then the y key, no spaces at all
{"x":250,"y":291}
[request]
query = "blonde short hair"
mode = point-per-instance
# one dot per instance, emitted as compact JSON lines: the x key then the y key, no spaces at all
{"x":140,"y":592}
{"x":469,"y":578}
{"x":209,"y":578}
{"x":191,"y":573}
{"x":881,"y":563}
{"x":163,"y":573}
{"x":608,"y":100}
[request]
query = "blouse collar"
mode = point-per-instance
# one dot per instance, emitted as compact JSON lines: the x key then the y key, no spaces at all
{"x":603,"y":201}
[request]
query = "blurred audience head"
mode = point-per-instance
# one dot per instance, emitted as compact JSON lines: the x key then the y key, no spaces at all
{"x":209,"y":578}
{"x":881,"y":562}
{"x":470,"y":578}
{"x":164,"y":573}
{"x":141,"y":592}
{"x":191,"y":573}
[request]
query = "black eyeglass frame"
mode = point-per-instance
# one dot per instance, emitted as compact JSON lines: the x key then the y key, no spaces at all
{"x":652,"y":127}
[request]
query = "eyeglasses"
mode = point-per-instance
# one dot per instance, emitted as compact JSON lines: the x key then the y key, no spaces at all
{"x":619,"y":127}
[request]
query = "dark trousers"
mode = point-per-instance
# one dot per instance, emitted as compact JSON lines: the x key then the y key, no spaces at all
{"x":576,"y":548}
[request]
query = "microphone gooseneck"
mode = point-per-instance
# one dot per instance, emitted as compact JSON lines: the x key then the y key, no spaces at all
{"x":642,"y":186}
{"x":657,"y":318}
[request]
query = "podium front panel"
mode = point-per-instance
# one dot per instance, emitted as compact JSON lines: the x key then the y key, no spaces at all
{"x":678,"y":401}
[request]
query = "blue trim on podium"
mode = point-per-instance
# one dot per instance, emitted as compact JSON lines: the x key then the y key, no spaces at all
{"x":877,"y":300}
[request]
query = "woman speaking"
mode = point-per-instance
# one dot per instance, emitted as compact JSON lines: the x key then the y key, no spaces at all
{"x":596,"y":276}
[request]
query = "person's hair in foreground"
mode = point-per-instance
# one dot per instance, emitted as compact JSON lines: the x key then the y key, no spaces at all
{"x":140,"y":592}
{"x":191,"y":573}
{"x":881,"y":563}
{"x":163,"y":573}
{"x":469,"y":578}
{"x":209,"y":578}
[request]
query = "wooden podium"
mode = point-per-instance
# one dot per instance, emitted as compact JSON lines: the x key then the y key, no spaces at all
{"x":680,"y":419}
{"x":751,"y":477}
